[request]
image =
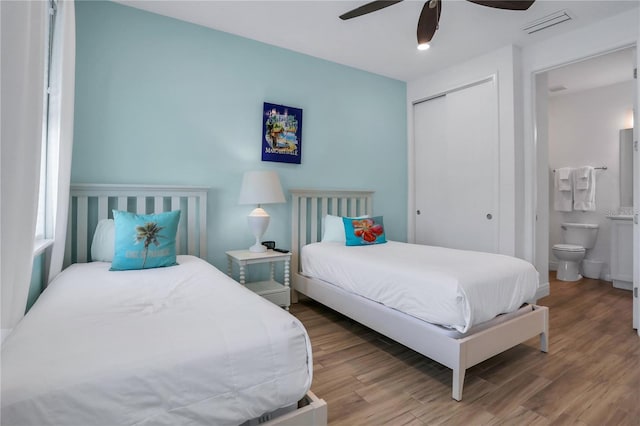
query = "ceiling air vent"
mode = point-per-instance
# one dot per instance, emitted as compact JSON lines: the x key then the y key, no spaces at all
{"x":547,"y":21}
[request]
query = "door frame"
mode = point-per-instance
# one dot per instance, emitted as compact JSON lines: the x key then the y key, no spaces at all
{"x":636,"y":194}
{"x":539,"y":213}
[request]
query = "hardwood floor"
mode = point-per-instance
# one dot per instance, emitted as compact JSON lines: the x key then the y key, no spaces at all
{"x":591,"y":375}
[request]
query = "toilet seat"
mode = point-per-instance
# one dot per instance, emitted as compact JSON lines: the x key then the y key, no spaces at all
{"x":569,"y":248}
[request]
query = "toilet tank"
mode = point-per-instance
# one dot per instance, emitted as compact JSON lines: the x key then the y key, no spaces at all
{"x":580,"y":234}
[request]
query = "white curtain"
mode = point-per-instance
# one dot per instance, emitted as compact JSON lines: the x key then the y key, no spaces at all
{"x":23,"y":47}
{"x":61,"y":102}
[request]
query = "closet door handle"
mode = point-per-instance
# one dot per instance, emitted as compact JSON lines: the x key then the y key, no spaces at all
{"x":489,"y":216}
{"x":417,"y":212}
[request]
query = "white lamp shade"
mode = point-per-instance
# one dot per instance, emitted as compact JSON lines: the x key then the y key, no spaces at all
{"x":261,"y":187}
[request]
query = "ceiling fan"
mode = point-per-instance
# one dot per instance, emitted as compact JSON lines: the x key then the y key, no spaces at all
{"x":430,"y":15}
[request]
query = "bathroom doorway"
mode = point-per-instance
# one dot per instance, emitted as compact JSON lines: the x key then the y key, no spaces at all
{"x":581,"y":110}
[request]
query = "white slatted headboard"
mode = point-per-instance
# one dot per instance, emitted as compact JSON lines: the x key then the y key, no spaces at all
{"x":309,"y":206}
{"x":90,"y":203}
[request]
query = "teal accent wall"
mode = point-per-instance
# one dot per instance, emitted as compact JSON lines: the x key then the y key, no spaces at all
{"x":161,"y":101}
{"x":37,"y":284}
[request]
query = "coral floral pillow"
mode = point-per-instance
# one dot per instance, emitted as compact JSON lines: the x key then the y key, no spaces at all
{"x":362,"y":232}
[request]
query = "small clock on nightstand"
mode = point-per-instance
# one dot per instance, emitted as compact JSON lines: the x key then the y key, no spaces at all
{"x":278,"y":293}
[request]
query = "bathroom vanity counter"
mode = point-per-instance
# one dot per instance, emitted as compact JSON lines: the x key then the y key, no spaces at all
{"x":620,"y":217}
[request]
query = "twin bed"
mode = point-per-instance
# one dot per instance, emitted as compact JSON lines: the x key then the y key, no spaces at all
{"x":188,"y":345}
{"x":176,"y":345}
{"x":456,"y":307}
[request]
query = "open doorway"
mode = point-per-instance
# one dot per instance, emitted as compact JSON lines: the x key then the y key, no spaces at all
{"x":582,"y":109}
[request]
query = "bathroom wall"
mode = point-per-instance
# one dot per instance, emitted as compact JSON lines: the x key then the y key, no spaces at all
{"x":584,"y":130}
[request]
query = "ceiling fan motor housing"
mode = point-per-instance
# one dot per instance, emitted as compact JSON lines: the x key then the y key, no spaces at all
{"x":430,"y":15}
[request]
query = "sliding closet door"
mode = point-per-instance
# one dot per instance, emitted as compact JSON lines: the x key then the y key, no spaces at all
{"x":431,"y":149}
{"x":456,"y":164}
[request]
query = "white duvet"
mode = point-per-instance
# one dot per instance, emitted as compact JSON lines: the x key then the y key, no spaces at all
{"x":169,"y":346}
{"x":453,"y":288}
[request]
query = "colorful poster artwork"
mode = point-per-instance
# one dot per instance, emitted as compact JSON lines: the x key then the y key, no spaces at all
{"x":281,"y":134}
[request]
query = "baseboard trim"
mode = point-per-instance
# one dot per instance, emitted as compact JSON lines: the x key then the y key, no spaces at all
{"x":553,"y":266}
{"x":622,"y":285}
{"x":544,"y":289}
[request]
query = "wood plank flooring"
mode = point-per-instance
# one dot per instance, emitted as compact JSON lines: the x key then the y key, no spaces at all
{"x":591,"y":375}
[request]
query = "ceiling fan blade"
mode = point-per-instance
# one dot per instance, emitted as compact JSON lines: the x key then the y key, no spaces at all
{"x":428,"y":22}
{"x":368,"y":8}
{"x":505,"y":4}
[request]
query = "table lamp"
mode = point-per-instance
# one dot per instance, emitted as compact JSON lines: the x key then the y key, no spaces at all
{"x":260,"y":187}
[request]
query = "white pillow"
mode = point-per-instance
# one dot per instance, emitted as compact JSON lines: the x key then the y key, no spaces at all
{"x":334,"y":229}
{"x":103,"y":245}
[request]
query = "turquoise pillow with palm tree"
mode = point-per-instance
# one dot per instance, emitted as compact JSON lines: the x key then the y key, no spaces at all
{"x":144,"y":241}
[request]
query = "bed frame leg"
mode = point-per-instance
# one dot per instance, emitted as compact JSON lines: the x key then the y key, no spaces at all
{"x":544,"y":342}
{"x":458,"y":382}
{"x":544,"y":336}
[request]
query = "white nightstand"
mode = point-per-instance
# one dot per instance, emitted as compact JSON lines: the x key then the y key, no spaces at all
{"x":278,"y":293}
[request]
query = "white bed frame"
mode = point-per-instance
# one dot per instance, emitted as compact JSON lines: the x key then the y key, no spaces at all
{"x":89,"y":203}
{"x":309,"y":206}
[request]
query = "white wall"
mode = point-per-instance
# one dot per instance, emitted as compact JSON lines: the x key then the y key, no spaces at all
{"x":503,"y":64}
{"x":542,"y":157}
{"x":526,"y":213}
{"x":584,"y":130}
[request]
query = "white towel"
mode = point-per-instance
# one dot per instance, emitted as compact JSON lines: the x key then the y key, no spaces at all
{"x":584,"y":189}
{"x":563,"y":179}
{"x":563,"y":196}
{"x":582,"y":176}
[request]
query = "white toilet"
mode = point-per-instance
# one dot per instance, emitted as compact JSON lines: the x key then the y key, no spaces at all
{"x":578,"y":238}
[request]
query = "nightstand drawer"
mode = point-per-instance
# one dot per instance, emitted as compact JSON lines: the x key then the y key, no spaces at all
{"x":273,"y":291}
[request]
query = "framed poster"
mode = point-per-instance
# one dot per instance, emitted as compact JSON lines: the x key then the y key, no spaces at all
{"x":281,"y":133}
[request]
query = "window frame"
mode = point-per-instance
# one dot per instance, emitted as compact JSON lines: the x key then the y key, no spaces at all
{"x":43,"y":237}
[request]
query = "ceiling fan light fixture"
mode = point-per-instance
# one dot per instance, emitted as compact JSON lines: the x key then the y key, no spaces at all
{"x":430,"y":14}
{"x":428,"y":23}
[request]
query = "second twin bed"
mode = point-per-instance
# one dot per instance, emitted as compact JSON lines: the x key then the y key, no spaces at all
{"x":456,"y":307}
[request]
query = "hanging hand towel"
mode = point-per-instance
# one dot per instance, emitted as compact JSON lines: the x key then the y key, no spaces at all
{"x":563,"y":196}
{"x":563,"y":179}
{"x":584,"y":189}
{"x":582,"y":176}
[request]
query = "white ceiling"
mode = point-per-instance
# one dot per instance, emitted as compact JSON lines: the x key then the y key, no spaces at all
{"x":383,"y":42}
{"x":603,"y":70}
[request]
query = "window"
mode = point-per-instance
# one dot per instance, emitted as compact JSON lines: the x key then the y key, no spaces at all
{"x":43,"y":225}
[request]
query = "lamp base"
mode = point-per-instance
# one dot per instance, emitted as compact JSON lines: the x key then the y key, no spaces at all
{"x":257,"y":248}
{"x":258,"y":222}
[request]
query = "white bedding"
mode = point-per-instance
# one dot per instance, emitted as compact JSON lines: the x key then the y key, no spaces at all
{"x":168,"y":346}
{"x":453,"y":288}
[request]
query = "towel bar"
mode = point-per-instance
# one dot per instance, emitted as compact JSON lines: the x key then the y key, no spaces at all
{"x":596,"y":168}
